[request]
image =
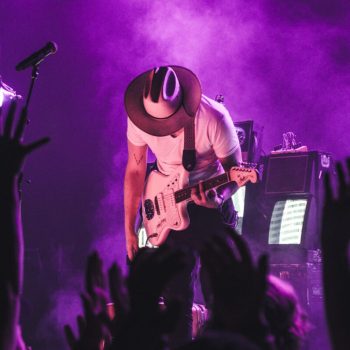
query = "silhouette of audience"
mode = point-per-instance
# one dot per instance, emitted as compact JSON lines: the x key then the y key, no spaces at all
{"x":335,"y":240}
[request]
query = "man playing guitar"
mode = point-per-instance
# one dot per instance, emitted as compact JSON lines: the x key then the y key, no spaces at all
{"x":165,"y":108}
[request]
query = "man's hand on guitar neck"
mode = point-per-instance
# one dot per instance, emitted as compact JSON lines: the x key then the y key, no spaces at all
{"x":215,"y":198}
{"x":211,"y":199}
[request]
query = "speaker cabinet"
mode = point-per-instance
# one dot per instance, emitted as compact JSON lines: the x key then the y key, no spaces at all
{"x":284,"y":209}
{"x":292,"y":173}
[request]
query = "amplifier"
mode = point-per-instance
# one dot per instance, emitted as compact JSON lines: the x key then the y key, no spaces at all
{"x":293,"y":173}
{"x":305,"y":278}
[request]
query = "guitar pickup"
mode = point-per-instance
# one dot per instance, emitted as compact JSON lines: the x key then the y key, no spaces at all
{"x":156,"y":204}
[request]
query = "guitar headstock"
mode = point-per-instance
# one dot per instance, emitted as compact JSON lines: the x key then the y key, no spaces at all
{"x":248,"y":165}
{"x":241,"y":175}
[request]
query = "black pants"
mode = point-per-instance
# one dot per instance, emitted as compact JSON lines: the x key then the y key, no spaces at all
{"x":203,"y":223}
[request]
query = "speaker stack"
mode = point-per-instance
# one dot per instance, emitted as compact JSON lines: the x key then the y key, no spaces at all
{"x":283,"y":217}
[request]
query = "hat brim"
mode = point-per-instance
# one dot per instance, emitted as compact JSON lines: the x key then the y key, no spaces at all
{"x":133,"y":100}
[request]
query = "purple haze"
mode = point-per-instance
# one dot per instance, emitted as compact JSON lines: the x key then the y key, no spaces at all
{"x":284,"y":64}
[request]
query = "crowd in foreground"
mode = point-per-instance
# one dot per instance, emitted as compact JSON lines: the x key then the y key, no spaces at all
{"x":250,"y":309}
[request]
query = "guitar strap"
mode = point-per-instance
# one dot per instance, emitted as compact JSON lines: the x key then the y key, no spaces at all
{"x":189,"y":151}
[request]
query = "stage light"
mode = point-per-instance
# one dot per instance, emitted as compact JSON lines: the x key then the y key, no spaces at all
{"x":7,"y":93}
{"x":142,"y":237}
{"x":239,"y":201}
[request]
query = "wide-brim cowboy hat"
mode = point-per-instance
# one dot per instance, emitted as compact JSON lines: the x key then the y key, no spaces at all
{"x":190,"y":99}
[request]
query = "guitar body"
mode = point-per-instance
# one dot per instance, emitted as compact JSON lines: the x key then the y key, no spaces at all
{"x":159,"y":211}
{"x":165,"y":199}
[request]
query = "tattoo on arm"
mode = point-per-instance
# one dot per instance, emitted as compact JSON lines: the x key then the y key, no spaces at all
{"x":138,"y":160}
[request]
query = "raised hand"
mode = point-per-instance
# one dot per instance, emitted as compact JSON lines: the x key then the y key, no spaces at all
{"x":12,"y":156}
{"x":238,"y":286}
{"x":335,"y":239}
{"x":12,"y":150}
{"x":10,"y":306}
{"x":95,"y":327}
{"x":336,"y":215}
{"x":137,"y":321}
{"x":149,"y":273}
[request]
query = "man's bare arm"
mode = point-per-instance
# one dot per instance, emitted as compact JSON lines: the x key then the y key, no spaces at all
{"x":133,"y":186}
{"x":234,"y":159}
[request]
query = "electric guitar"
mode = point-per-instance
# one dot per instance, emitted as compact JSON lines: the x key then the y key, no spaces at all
{"x":166,"y":210}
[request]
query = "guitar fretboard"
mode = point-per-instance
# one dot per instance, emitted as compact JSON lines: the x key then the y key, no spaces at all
{"x":185,"y":193}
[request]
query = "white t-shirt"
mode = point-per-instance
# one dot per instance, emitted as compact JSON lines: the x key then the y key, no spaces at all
{"x":215,"y":137}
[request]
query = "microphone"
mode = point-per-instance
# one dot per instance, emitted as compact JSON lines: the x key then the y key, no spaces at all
{"x":38,"y":56}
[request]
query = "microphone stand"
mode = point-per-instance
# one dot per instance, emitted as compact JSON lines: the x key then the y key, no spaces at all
{"x":35,"y":73}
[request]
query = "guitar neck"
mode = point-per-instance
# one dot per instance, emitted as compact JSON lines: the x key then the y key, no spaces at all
{"x":185,"y":193}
